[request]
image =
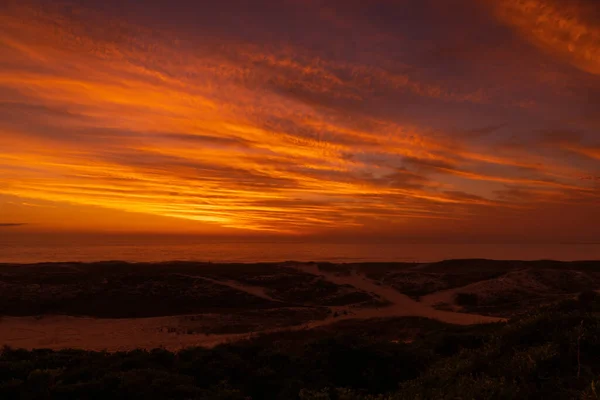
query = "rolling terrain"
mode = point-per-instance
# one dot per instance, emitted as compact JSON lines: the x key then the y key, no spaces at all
{"x":119,"y":306}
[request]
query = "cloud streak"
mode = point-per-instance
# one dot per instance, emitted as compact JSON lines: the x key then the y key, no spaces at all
{"x":100,"y":110}
{"x":564,"y":29}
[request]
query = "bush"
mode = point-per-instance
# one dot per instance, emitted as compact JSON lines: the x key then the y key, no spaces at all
{"x":587,"y":297}
{"x":551,"y":354}
{"x":466,"y":299}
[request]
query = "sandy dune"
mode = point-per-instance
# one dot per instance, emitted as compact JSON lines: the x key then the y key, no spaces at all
{"x":58,"y":332}
{"x":522,"y":280}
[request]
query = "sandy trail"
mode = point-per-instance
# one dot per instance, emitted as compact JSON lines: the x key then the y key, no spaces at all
{"x":401,"y":305}
{"x":257,"y":291}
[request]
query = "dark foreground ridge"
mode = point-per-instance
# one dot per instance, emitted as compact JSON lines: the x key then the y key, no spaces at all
{"x":551,"y":354}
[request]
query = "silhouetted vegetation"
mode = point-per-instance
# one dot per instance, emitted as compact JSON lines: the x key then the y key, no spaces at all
{"x":419,"y":283}
{"x":466,"y":299}
{"x":587,"y":298}
{"x":551,"y":354}
{"x":119,"y":289}
{"x":123,"y":290}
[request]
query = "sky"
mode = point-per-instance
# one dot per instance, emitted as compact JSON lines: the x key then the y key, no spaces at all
{"x":453,"y":119}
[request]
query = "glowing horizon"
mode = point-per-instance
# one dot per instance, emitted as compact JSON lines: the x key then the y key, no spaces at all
{"x":148,"y":121}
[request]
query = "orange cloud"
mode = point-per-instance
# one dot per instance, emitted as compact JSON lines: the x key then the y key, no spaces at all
{"x":145,"y":123}
{"x":563,"y":29}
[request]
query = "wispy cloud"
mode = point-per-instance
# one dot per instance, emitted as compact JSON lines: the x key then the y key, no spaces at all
{"x":564,"y":29}
{"x":102,"y":111}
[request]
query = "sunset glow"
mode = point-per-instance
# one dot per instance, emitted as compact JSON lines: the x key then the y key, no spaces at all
{"x":465,"y":117}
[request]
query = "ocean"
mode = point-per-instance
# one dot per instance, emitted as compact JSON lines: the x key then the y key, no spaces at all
{"x":145,"y":248}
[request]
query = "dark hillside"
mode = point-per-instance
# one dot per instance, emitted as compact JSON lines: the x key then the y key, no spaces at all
{"x":550,"y":354}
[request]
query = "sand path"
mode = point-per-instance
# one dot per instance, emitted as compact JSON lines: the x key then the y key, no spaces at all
{"x":257,"y":291}
{"x":400,"y":304}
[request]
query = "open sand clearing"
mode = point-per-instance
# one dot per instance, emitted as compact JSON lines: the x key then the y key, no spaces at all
{"x":57,"y":332}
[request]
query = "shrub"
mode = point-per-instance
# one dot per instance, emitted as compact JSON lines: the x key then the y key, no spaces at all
{"x":549,"y":354}
{"x":587,"y":297}
{"x":466,"y":299}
